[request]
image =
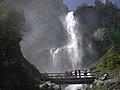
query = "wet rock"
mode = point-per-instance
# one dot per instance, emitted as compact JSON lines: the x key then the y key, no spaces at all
{"x":99,"y":35}
{"x":113,"y":84}
{"x":99,"y":82}
{"x":49,"y":86}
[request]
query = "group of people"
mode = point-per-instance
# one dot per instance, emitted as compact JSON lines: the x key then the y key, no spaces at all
{"x":76,"y":73}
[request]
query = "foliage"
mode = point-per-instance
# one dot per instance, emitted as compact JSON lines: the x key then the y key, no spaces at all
{"x":108,"y":17}
{"x":83,"y":5}
{"x":109,"y":64}
{"x":98,"y":4}
{"x":110,"y":20}
{"x":11,"y":17}
{"x":109,"y":48}
{"x":113,"y":36}
{"x":15,"y":72}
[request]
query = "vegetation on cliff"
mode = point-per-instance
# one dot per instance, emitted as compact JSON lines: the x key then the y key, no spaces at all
{"x":15,"y":72}
{"x":110,"y":46}
{"x":18,"y":74}
{"x":108,"y":16}
{"x":105,"y":34}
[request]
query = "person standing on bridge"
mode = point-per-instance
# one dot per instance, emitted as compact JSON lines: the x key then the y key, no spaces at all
{"x":70,"y":73}
{"x":75,"y":72}
{"x":85,"y":72}
{"x":66,"y":73}
{"x":79,"y":73}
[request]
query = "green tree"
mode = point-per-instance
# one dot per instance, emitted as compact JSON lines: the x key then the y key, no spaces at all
{"x":98,"y":4}
{"x":15,"y":72}
{"x":83,"y":5}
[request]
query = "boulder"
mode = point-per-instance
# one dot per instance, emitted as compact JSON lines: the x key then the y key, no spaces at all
{"x":99,"y":35}
{"x":49,"y":86}
{"x":113,"y":84}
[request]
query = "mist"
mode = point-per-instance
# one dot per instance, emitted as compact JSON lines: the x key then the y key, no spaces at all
{"x":43,"y":20}
{"x":45,"y":31}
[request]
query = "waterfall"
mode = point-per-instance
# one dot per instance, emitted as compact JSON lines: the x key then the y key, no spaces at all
{"x":74,"y":43}
{"x":75,"y":52}
{"x":73,"y":47}
{"x":55,"y":55}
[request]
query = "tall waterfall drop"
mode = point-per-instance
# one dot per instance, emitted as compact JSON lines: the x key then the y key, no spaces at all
{"x":73,"y":48}
{"x":75,"y":52}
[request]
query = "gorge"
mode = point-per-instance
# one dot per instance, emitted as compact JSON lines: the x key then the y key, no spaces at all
{"x":39,"y":36}
{"x":57,"y":33}
{"x":55,"y":42}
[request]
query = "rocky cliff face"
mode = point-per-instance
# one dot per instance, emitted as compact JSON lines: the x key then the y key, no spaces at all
{"x":110,"y":84}
{"x":89,"y":21}
{"x":44,"y":20}
{"x":15,"y":72}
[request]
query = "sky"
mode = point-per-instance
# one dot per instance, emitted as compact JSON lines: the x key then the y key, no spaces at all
{"x":72,"y":4}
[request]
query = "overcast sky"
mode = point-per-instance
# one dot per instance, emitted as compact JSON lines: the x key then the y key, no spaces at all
{"x":72,"y":4}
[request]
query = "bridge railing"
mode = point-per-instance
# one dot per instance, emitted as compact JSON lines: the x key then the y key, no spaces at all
{"x":63,"y":75}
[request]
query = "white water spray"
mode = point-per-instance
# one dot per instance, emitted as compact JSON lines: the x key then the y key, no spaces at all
{"x":73,"y":47}
{"x":74,"y":51}
{"x":55,"y":55}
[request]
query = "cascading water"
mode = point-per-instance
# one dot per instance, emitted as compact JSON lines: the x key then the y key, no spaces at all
{"x":74,"y":51}
{"x":73,"y":46}
{"x":55,"y":55}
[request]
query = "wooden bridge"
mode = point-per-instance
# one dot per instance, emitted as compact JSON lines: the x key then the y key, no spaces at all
{"x":61,"y":78}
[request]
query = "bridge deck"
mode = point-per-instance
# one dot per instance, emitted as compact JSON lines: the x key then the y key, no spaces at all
{"x":61,"y":78}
